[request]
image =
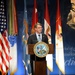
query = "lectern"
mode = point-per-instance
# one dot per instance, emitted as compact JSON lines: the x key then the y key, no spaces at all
{"x":40,"y":66}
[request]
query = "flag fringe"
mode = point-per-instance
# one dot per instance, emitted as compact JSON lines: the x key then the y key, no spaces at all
{"x":3,"y":73}
{"x":60,"y":68}
{"x":49,"y":68}
{"x":12,"y":73}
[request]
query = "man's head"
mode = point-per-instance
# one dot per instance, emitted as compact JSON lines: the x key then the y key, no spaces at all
{"x":38,"y":28}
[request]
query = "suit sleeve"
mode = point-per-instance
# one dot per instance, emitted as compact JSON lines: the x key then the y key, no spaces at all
{"x":46,"y":39}
{"x":29,"y":40}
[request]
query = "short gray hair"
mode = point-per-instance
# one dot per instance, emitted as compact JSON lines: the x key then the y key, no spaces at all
{"x":37,"y":24}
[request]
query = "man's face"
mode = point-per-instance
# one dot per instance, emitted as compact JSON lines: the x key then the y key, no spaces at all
{"x":38,"y":29}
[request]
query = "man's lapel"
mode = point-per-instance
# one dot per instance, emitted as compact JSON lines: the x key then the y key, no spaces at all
{"x":35,"y":38}
{"x":43,"y":37}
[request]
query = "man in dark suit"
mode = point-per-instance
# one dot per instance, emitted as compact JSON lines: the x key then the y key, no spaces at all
{"x":34,"y":38}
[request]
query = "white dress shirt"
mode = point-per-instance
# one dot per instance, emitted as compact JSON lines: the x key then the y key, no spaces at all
{"x":39,"y":37}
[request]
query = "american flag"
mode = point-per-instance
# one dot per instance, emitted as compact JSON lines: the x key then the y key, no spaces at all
{"x":4,"y":44}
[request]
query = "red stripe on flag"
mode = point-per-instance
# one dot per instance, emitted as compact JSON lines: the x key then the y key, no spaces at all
{"x":7,"y":45}
{"x":0,"y":55}
{"x":5,"y":57}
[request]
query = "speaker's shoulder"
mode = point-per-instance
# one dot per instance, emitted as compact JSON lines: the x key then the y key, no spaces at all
{"x":44,"y":34}
{"x":32,"y":35}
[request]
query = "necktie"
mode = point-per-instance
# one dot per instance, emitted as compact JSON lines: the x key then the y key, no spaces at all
{"x":39,"y":38}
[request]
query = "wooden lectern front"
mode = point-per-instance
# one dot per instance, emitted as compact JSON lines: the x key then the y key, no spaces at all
{"x":40,"y":66}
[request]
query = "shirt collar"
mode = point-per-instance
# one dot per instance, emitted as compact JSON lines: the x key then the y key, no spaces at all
{"x":38,"y":34}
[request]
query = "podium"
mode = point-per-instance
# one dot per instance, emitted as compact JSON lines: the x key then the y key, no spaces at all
{"x":39,"y":67}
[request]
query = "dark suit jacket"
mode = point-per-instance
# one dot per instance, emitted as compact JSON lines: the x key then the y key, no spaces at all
{"x":33,"y":40}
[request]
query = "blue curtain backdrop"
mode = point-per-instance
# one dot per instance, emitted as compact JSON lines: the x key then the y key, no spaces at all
{"x":68,"y":32}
